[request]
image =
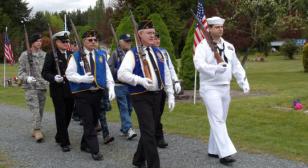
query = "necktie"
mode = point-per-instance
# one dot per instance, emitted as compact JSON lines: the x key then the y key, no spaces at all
{"x":155,"y":68}
{"x":91,"y":63}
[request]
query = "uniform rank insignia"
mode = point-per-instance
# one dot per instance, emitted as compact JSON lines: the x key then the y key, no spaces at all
{"x":100,"y":59}
{"x":160,"y":57}
{"x":230,"y":48}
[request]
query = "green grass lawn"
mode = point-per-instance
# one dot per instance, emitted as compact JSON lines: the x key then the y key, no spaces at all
{"x":255,"y":123}
{"x":5,"y":162}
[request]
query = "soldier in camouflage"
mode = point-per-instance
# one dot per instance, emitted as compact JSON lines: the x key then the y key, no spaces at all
{"x":34,"y":85}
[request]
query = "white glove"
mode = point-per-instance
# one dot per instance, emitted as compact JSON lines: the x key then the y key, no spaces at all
{"x":87,"y":78}
{"x":221,"y":67}
{"x":31,"y":79}
{"x":58,"y":78}
{"x":171,"y":102}
{"x":177,"y":87}
{"x":146,"y":83}
{"x":245,"y":87}
{"x":111,"y":93}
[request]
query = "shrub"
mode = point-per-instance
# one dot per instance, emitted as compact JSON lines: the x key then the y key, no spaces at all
{"x":305,"y":57}
{"x":288,"y":49}
{"x":165,"y":39}
{"x":187,"y":70}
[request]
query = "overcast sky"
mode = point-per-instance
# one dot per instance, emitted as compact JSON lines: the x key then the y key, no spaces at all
{"x":59,"y":5}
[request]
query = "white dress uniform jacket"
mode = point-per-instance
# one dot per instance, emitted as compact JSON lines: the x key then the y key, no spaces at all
{"x":215,"y":92}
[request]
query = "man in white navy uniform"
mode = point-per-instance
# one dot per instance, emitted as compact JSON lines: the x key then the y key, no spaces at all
{"x":146,"y":92}
{"x":215,"y":88}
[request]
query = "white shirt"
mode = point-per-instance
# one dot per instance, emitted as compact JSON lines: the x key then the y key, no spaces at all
{"x":73,"y":76}
{"x":173,"y":74}
{"x":125,"y":73}
{"x":206,"y":65}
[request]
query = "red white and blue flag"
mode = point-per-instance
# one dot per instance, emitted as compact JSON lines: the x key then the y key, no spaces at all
{"x":8,"y":52}
{"x":198,"y":35}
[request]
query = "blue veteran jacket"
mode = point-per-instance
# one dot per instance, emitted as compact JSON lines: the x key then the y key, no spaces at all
{"x":99,"y":72}
{"x":138,"y":70}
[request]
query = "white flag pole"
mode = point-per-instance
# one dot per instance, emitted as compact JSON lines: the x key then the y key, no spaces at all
{"x":195,"y":86}
{"x":4,"y":62}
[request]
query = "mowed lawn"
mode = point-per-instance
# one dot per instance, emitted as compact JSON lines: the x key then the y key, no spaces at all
{"x":261,"y":122}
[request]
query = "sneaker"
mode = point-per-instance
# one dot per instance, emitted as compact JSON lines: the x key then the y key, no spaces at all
{"x":131,"y":134}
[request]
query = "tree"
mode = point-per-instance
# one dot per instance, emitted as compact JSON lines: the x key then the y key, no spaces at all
{"x":11,"y":13}
{"x":256,"y":19}
{"x":187,"y":69}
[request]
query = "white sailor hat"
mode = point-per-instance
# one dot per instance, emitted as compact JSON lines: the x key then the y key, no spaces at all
{"x":62,"y":35}
{"x":215,"y":20}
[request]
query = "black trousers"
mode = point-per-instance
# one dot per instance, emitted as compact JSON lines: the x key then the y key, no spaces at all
{"x":63,"y":113}
{"x":147,"y":108}
{"x":88,"y":107}
{"x":159,"y":134}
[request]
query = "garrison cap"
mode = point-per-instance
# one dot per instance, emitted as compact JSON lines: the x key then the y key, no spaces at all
{"x":34,"y":38}
{"x":145,"y":24}
{"x":215,"y":20}
{"x":89,"y":33}
{"x":62,"y":35}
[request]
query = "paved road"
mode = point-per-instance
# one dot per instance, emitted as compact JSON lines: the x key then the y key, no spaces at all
{"x":16,"y":142}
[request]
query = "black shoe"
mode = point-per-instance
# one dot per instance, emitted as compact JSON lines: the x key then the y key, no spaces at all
{"x":161,"y":143}
{"x":139,"y":165}
{"x":108,"y":139}
{"x":97,"y":156}
{"x":85,"y":149}
{"x":66,"y":148}
{"x":227,"y":160}
{"x":213,"y":155}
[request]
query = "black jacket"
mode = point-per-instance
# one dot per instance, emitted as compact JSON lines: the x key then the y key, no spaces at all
{"x":57,"y":90}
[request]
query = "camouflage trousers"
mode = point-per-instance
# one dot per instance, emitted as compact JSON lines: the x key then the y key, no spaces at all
{"x":35,"y":100}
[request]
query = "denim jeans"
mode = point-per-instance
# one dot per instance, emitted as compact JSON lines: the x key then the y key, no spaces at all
{"x":125,"y":107}
{"x":105,"y":106}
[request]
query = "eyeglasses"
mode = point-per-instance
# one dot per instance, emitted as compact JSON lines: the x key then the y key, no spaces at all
{"x":92,"y":40}
{"x":65,"y":41}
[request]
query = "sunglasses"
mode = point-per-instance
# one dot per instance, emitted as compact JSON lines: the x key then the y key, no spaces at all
{"x":65,"y":41}
{"x":92,"y":40}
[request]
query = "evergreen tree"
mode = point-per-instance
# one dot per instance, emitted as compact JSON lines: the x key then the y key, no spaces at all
{"x":187,"y":70}
{"x":165,"y":39}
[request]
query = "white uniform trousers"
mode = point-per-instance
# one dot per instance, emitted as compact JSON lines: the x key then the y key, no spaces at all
{"x":217,"y":99}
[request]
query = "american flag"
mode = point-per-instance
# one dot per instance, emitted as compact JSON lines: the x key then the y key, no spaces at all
{"x":8,"y":52}
{"x":198,"y":35}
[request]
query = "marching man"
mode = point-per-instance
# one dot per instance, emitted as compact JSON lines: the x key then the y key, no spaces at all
{"x":215,"y":88}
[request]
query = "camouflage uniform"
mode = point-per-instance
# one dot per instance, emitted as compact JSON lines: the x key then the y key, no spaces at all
{"x":35,"y":93}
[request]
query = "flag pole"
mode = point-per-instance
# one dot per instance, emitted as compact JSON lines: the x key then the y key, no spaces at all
{"x":195,"y":86}
{"x":4,"y":61}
